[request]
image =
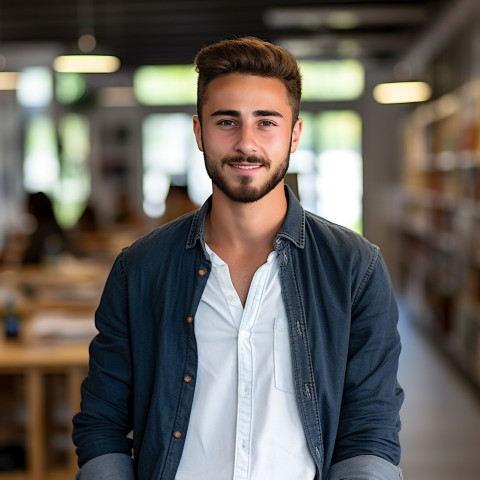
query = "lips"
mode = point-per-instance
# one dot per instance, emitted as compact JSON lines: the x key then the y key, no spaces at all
{"x":246,"y":164}
{"x":245,"y":167}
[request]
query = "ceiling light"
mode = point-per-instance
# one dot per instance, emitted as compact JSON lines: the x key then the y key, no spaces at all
{"x":303,"y":47}
{"x":86,"y":64}
{"x":342,"y":20}
{"x":322,"y":15}
{"x":9,"y":80}
{"x":87,"y":43}
{"x":402,"y":92}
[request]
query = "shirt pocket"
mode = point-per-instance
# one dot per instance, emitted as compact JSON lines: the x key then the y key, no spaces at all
{"x":282,"y":358}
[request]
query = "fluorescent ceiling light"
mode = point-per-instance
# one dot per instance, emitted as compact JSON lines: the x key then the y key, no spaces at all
{"x":9,"y":80}
{"x":348,"y":46}
{"x":402,"y":92}
{"x":342,"y":18}
{"x":86,"y":64}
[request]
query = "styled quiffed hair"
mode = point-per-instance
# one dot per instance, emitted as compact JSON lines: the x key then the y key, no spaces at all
{"x":248,"y":55}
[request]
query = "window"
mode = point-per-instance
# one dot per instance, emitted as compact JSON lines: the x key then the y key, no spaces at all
{"x":328,"y":164}
{"x":69,"y":87}
{"x":166,"y":85}
{"x":332,"y":80}
{"x":59,"y":166}
{"x":41,"y":168}
{"x":170,"y":154}
{"x":72,"y":189}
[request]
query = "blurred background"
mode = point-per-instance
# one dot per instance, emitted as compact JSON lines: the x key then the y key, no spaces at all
{"x":96,"y":149}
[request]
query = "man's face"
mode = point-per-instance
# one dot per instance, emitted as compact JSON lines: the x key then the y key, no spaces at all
{"x":246,"y":135}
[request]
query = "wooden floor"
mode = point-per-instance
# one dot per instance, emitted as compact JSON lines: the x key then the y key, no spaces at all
{"x":441,"y":414}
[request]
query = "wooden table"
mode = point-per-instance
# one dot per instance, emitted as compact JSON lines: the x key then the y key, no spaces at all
{"x":63,"y":293}
{"x":33,"y":363}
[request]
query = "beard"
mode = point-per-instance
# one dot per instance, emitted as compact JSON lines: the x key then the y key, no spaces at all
{"x":242,"y":190}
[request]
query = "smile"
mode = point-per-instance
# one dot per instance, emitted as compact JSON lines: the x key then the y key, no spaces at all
{"x":246,"y":167}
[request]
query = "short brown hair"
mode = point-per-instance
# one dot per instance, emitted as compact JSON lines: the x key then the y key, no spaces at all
{"x":248,"y":55}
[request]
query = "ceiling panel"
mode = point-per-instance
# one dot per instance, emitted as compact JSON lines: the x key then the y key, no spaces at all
{"x":171,"y":31}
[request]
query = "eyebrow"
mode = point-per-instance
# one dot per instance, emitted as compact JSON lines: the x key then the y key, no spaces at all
{"x":256,"y":113}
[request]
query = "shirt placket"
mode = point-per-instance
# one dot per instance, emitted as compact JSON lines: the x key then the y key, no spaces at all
{"x":246,"y":374}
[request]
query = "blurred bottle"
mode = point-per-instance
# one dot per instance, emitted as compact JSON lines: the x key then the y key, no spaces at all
{"x":11,"y":319}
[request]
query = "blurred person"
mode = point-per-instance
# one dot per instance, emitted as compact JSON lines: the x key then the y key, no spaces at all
{"x":250,"y":339}
{"x":177,"y":203}
{"x":48,"y":239}
{"x":88,"y":221}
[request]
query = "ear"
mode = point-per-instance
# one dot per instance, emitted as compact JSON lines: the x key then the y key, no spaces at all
{"x":296,"y":132}
{"x":197,"y":130}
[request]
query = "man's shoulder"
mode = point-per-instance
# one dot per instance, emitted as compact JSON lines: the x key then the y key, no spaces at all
{"x":161,"y":241}
{"x":339,"y":248}
{"x":327,"y":233}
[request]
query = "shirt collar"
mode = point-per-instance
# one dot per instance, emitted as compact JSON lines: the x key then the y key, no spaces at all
{"x":293,"y":228}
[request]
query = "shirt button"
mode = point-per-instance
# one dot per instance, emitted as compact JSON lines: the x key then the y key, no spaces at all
{"x":244,"y":333}
{"x":230,"y":298}
{"x":177,"y":434}
{"x":202,"y":272}
{"x":187,"y":378}
{"x":190,"y":319}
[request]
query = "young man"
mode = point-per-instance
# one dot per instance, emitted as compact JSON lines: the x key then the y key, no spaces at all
{"x":250,"y":339}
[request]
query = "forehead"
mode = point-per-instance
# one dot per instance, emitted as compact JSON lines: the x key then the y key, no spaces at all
{"x":242,"y":90}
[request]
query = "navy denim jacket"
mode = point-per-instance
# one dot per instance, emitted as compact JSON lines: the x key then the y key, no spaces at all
{"x":345,"y":346}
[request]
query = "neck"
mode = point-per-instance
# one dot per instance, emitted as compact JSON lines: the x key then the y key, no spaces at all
{"x":241,"y":225}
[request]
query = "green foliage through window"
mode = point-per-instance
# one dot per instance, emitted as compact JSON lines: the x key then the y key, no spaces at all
{"x":176,"y":84}
{"x":165,"y":85}
{"x":332,"y":80}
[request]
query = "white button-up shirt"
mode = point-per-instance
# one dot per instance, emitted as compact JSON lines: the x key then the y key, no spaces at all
{"x":245,"y":423}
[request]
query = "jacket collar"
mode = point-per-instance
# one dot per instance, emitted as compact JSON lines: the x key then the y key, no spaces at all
{"x":293,"y":228}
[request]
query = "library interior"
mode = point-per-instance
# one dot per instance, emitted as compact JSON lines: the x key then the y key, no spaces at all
{"x":97,"y":150}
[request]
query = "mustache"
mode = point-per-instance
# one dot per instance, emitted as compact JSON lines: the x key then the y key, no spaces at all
{"x":246,"y":159}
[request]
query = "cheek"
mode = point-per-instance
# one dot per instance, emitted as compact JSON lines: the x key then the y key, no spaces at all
{"x":280,"y":144}
{"x":216,"y":143}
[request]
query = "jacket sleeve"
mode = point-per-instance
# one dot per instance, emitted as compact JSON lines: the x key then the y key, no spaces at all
{"x":364,"y":467}
{"x":111,"y":466}
{"x":369,"y":417}
{"x":104,"y":420}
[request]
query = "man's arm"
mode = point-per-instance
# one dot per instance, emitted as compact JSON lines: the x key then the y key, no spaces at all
{"x":105,"y":418}
{"x":367,"y":444}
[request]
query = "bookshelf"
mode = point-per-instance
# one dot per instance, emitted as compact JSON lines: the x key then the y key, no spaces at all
{"x":440,"y":223}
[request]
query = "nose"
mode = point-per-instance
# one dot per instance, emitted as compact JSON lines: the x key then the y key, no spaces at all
{"x":246,"y":140}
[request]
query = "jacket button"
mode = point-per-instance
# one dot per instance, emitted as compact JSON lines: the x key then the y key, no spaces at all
{"x":202,"y":272}
{"x":187,"y":378}
{"x":177,"y":434}
{"x":190,"y":319}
